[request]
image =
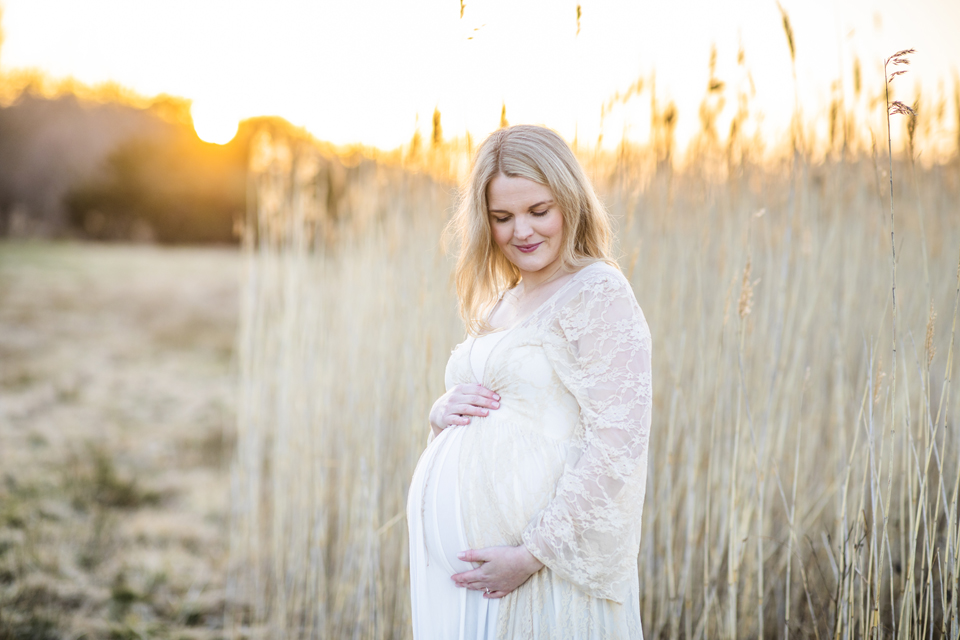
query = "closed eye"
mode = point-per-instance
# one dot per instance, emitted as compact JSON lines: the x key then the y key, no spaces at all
{"x":540,"y":213}
{"x":503,"y":219}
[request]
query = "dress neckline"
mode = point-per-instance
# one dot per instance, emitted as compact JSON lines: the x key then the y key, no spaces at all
{"x":543,"y":304}
{"x":518,"y":324}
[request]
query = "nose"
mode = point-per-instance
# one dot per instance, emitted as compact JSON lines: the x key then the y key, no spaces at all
{"x":522,"y":229}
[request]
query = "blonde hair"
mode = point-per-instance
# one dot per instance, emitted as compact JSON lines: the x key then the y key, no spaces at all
{"x":540,"y":155}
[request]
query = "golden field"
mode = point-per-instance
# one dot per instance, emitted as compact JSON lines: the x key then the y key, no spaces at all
{"x":803,"y":478}
{"x":218,"y":443}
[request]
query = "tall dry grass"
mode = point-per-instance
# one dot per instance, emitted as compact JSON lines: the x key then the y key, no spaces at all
{"x":793,"y":489}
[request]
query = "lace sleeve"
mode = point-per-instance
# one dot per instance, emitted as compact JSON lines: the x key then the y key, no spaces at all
{"x":590,"y":532}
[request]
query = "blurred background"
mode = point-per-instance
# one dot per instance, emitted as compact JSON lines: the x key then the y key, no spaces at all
{"x":208,"y":209}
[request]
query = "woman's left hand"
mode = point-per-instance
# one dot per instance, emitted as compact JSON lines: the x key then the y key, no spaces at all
{"x":503,"y":569}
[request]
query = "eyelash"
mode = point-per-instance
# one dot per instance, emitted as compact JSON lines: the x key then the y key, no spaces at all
{"x":538,"y":214}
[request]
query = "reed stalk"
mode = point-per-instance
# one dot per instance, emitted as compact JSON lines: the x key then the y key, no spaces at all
{"x":839,"y":519}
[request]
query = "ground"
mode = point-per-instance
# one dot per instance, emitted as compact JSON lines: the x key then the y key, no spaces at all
{"x":117,"y":391}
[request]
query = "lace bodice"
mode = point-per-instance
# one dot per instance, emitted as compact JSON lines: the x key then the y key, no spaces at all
{"x":561,"y":466}
{"x":480,"y":350}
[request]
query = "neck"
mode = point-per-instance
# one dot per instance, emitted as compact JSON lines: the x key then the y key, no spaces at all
{"x":536,"y":279}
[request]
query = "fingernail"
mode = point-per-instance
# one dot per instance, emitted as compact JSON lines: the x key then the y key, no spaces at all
{"x":497,"y":396}
{"x":462,"y":555}
{"x":496,"y":405}
{"x":485,"y":412}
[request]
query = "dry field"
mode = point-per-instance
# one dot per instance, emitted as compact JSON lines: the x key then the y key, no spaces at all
{"x":803,"y":479}
{"x":804,"y":473}
{"x":117,"y":406}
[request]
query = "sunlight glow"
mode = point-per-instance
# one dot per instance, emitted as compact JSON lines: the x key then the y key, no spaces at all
{"x":349,"y":72}
{"x":212,"y":124}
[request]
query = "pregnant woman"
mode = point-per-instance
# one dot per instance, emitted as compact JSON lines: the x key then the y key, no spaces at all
{"x":524,"y":509}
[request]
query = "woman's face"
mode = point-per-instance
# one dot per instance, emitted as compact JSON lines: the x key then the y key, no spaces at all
{"x":527,"y":225}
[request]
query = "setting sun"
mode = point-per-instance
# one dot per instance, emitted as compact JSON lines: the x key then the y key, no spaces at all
{"x":349,"y":77}
{"x":211,"y":124}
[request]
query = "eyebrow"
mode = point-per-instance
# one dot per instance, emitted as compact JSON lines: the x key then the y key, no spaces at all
{"x":533,"y":206}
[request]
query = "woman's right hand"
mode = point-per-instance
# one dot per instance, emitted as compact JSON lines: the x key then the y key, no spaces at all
{"x":455,"y":407}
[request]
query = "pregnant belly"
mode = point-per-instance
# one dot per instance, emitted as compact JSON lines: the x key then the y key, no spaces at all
{"x":433,"y":505}
{"x":508,"y":473}
{"x":479,"y":486}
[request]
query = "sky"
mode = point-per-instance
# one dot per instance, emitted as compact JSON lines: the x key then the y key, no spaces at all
{"x":372,"y":72}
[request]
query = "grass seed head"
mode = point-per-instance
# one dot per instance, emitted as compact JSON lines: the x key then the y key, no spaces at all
{"x":746,"y":292}
{"x":879,"y":379}
{"x":899,"y":58}
{"x":436,"y":136}
{"x":857,"y":77}
{"x":912,"y":127}
{"x":928,"y":345}
{"x":897,"y":107}
{"x":956,"y":105}
{"x":788,"y":31}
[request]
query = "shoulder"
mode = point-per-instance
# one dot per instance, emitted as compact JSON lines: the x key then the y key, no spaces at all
{"x":601,"y":281}
{"x":602,"y":301}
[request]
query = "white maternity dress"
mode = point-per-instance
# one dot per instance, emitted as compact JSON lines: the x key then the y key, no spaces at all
{"x":560,"y":467}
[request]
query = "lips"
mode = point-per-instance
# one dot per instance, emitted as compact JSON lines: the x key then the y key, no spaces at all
{"x":527,"y":248}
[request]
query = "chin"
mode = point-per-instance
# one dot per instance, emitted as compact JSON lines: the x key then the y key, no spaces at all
{"x":532,"y":262}
{"x":532,"y":267}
